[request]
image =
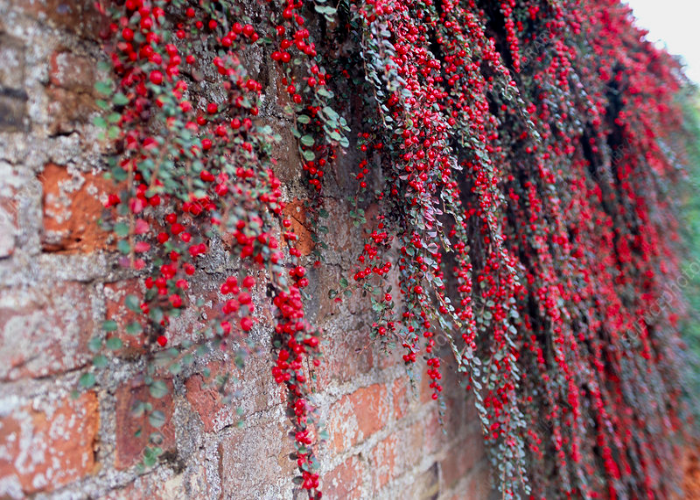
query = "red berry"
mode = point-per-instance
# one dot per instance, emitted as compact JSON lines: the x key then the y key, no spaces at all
{"x":246,"y":324}
{"x":156,"y":77}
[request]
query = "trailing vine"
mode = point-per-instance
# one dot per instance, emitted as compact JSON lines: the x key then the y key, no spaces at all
{"x":522,"y":156}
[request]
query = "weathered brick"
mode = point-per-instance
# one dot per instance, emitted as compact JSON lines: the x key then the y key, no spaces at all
{"x":253,"y":459}
{"x":13,"y":111}
{"x":12,"y":62}
{"x":461,"y":458}
{"x":71,"y":210}
{"x":44,"y":331}
{"x":44,"y":449}
{"x":401,"y":394}
{"x":345,"y":481}
{"x":207,"y":400}
{"x":383,"y":458}
{"x":395,"y":454}
{"x":69,"y":110}
{"x":296,"y":213}
{"x":133,"y":432}
{"x":479,"y":483}
{"x":425,"y":486}
{"x":350,"y":355}
{"x":150,"y":487}
{"x":8,"y":226}
{"x":116,"y":310}
{"x":76,"y":16}
{"x":357,"y":416}
{"x":72,"y":71}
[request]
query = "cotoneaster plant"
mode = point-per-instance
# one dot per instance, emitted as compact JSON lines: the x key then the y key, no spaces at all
{"x":523,"y":157}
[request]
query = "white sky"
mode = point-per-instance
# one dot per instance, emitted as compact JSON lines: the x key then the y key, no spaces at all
{"x":675,"y":24}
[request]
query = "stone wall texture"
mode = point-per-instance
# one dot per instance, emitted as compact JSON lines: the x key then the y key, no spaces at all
{"x":59,"y":281}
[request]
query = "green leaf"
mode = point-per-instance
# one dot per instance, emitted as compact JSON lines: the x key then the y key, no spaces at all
{"x":121,"y":229}
{"x":95,"y":344}
{"x":120,"y":99}
{"x":87,"y":380}
{"x":99,"y":122}
{"x":307,"y":140}
{"x":158,"y":389}
{"x":133,"y":303}
{"x":104,"y":87}
{"x":100,"y":361}
{"x":303,"y":119}
{"x":134,"y":328}
{"x":156,"y":314}
{"x":114,"y":343}
{"x":109,"y":326}
{"x":309,"y":155}
{"x":138,"y":409}
{"x":149,"y":457}
{"x":157,"y":419}
{"x":124,"y":247}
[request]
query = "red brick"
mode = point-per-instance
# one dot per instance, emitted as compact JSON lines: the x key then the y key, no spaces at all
{"x":357,"y":416}
{"x":461,"y":458}
{"x":41,"y":450}
{"x":72,"y":208}
{"x":130,"y":446}
{"x":44,"y":331}
{"x":345,"y":481}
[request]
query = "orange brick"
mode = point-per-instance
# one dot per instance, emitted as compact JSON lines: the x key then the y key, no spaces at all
{"x":357,"y":416}
{"x":44,"y":450}
{"x":71,"y":210}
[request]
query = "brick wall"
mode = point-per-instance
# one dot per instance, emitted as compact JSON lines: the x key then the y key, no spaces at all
{"x":59,"y":281}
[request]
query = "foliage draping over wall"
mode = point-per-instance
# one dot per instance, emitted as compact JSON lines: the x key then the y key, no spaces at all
{"x":522,"y":156}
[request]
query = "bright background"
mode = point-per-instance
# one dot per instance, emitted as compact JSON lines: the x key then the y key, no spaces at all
{"x":675,"y":24}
